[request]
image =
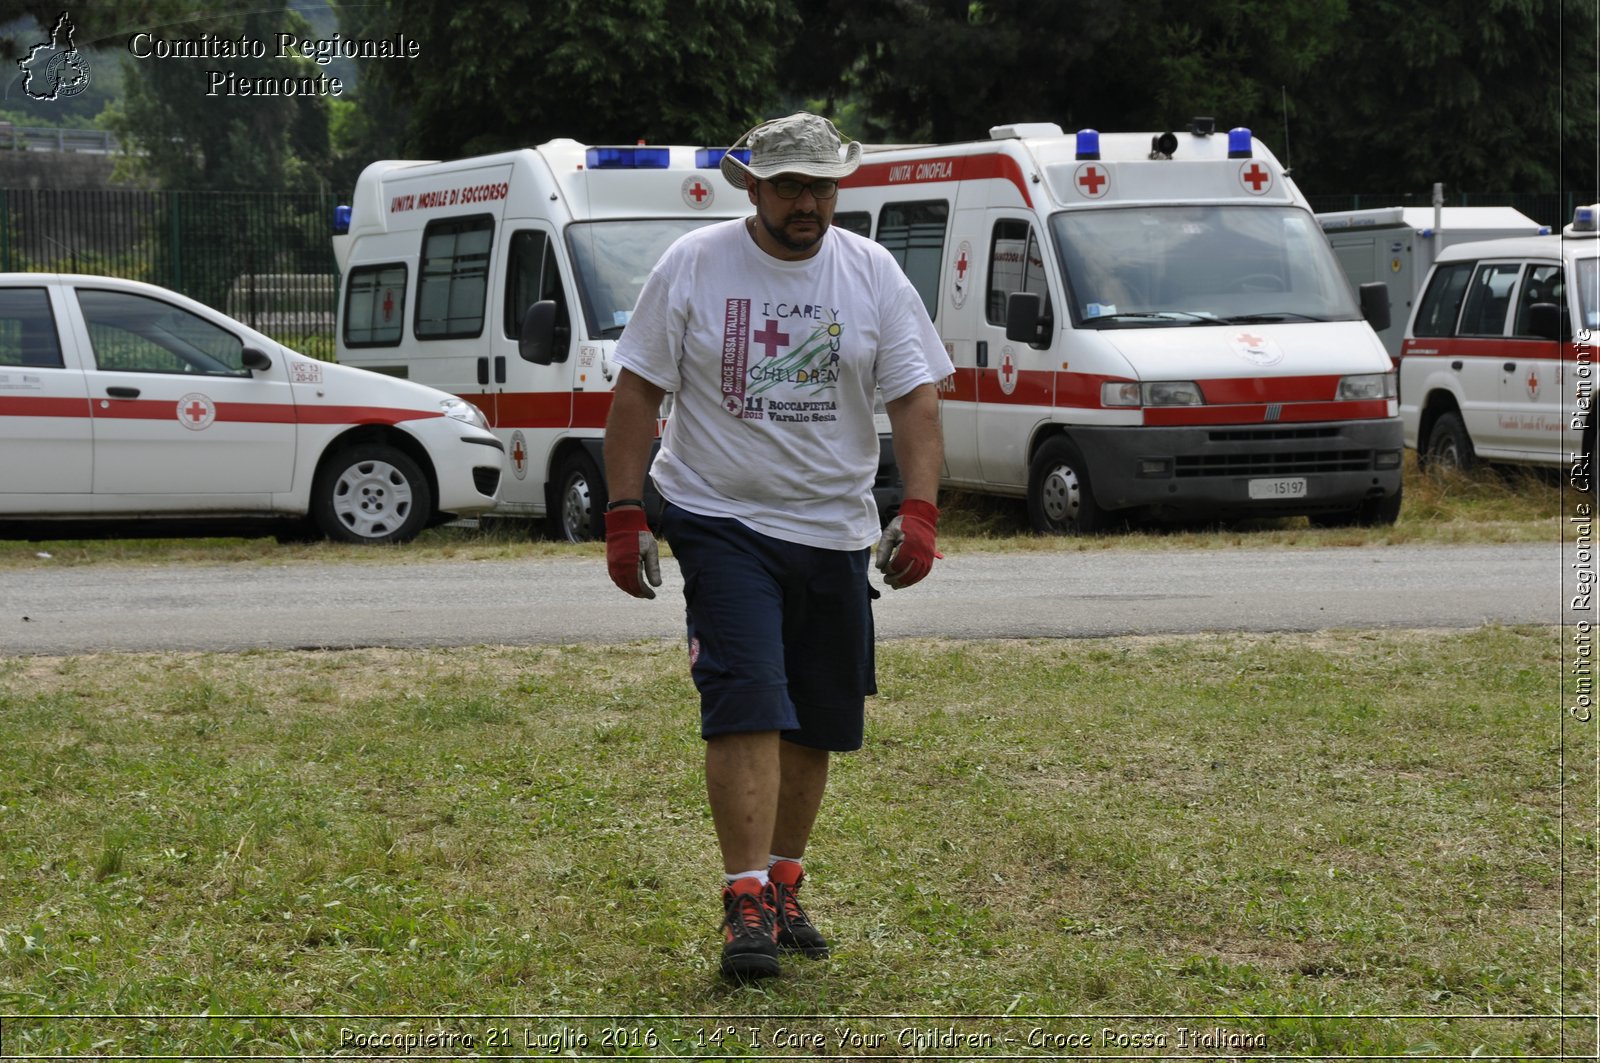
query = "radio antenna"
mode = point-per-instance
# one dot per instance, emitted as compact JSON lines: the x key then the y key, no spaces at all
{"x":1288,"y":155}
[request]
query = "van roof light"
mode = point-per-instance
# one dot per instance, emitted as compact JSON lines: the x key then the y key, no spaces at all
{"x":1240,"y":143}
{"x":1586,"y":219}
{"x":630,"y":158}
{"x":1088,"y":144}
{"x":341,"y":220}
{"x":711,"y":158}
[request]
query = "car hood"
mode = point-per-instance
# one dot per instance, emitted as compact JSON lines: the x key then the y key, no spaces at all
{"x":1282,"y":349}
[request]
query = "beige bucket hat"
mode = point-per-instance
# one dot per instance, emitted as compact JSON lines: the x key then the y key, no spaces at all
{"x":801,"y":143}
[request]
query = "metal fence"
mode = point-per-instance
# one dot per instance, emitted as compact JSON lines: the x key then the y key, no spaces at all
{"x":56,"y":138}
{"x":266,"y":259}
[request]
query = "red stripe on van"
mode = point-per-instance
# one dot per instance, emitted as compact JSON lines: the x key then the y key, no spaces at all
{"x":28,"y":406}
{"x":938,"y":169}
{"x":1495,"y":347}
{"x":1291,"y":413}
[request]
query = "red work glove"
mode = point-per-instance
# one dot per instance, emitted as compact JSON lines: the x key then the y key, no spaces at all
{"x":631,"y":555}
{"x":906,"y":553}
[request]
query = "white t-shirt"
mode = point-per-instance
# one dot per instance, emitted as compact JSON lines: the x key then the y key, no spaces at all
{"x":774,"y":366}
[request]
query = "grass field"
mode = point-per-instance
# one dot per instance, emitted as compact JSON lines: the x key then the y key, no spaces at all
{"x":1335,"y":845}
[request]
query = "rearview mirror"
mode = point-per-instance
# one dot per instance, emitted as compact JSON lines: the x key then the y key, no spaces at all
{"x":1022,"y":317}
{"x":1375,"y":305}
{"x":537,"y":340}
{"x":255,"y":360}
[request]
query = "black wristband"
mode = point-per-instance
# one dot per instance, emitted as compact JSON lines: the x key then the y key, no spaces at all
{"x":619,"y":503}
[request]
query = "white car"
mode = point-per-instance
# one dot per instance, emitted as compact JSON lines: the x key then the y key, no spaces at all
{"x":1498,"y":359}
{"x":131,"y":407}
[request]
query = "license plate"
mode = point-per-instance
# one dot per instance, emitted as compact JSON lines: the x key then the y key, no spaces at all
{"x":1283,"y":487}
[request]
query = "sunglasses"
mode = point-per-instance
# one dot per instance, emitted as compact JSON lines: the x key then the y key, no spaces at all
{"x":788,"y":188}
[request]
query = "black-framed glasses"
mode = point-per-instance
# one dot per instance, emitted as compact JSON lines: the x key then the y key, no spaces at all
{"x":789,"y":188}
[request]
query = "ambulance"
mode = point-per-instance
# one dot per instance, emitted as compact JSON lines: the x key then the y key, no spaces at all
{"x":1142,"y":324}
{"x":507,"y":279}
{"x":1498,"y":359}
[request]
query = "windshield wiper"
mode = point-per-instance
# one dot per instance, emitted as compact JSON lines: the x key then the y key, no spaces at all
{"x":611,"y":332}
{"x":1277,"y":315}
{"x":1155,"y":317}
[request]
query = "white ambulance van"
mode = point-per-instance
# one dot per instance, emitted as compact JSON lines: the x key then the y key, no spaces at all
{"x":442,"y":262}
{"x":1140,"y":323}
{"x":1498,"y":359}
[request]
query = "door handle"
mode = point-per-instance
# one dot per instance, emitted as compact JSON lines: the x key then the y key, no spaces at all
{"x":1510,"y":367}
{"x":983,"y":354}
{"x":1456,"y":366}
{"x":483,"y":372}
{"x":123,"y":393}
{"x":499,"y":369}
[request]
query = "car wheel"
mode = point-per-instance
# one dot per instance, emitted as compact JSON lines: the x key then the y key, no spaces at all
{"x":1449,"y":446}
{"x":580,"y":501}
{"x":1060,"y":501}
{"x":371,"y":493}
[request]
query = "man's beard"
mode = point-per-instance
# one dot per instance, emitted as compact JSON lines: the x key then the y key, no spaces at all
{"x":780,"y":234}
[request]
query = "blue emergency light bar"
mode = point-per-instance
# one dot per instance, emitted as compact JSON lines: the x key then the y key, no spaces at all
{"x":1584,"y":220}
{"x":1241,"y":145}
{"x":633,"y":158}
{"x":711,"y":158}
{"x":341,"y":220}
{"x":1088,"y":144}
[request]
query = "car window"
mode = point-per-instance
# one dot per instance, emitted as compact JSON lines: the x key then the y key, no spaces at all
{"x":1441,"y":303}
{"x":1540,"y":284}
{"x":28,"y":329}
{"x":1488,"y":299}
{"x":136,"y":334}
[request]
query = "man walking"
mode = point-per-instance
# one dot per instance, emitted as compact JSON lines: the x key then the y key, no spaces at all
{"x":774,"y":332}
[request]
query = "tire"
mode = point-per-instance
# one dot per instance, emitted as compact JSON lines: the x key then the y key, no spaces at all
{"x":1060,"y":500}
{"x":1369,"y":514}
{"x":371,"y":493}
{"x":579,"y":506}
{"x":1448,"y":446}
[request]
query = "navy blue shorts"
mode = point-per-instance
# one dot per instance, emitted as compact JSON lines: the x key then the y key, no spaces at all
{"x":780,"y":634}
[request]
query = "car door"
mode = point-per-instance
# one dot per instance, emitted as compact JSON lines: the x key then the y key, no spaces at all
{"x":46,"y":444}
{"x":180,"y":425}
{"x":1531,"y":377}
{"x":1016,"y":386}
{"x":1480,"y":348}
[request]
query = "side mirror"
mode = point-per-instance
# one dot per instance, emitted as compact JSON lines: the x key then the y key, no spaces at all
{"x":536,"y":341}
{"x":255,"y":360}
{"x":1375,"y":305}
{"x":1022,"y":317}
{"x":1545,"y":321}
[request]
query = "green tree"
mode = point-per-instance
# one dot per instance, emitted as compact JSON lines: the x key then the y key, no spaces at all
{"x":187,"y":140}
{"x":493,"y":76}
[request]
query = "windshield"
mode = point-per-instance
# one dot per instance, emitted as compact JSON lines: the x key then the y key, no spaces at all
{"x":1143,"y":267}
{"x":1588,"y":270}
{"x":613,"y":259}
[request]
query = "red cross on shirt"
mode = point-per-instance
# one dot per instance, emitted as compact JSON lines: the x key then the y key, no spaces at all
{"x":1256,"y":177}
{"x":769,"y":337}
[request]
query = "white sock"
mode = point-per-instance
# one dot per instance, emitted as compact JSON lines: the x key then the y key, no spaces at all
{"x":774,"y":858}
{"x":760,"y":876}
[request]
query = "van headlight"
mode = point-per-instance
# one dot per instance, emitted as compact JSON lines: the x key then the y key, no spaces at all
{"x":462,"y":410}
{"x":1368,"y":387}
{"x":1156,"y":393}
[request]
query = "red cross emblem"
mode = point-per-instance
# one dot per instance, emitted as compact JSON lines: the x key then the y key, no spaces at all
{"x":1008,"y":373}
{"x":698,"y":192}
{"x":388,"y":303}
{"x":1533,"y":383}
{"x":195,"y":411}
{"x":518,"y":455}
{"x":1250,"y":339}
{"x":1255,"y":178}
{"x":961,"y":266}
{"x":1094,"y":181}
{"x":769,"y":337}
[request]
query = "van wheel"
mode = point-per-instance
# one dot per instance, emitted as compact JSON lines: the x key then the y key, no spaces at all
{"x":1372,"y":513}
{"x":1449,"y":446}
{"x":371,"y":493}
{"x":580,"y":501}
{"x":1060,"y":501}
